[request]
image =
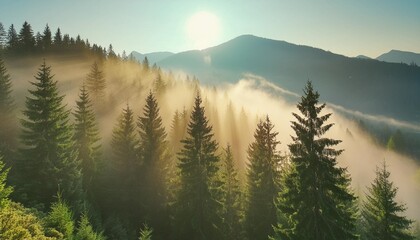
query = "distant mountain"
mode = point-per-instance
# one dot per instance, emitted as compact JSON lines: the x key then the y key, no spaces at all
{"x":397,"y":56}
{"x":373,"y":87}
{"x":363,"y":57}
{"x":153,"y":57}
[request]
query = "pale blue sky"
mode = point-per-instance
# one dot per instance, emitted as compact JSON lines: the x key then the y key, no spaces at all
{"x":349,"y":27}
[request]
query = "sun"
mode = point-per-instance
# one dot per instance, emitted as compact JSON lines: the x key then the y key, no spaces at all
{"x":203,"y":29}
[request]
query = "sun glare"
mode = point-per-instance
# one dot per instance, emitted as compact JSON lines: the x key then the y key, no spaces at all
{"x":203,"y":29}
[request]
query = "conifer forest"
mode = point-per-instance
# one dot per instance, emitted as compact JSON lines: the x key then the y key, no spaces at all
{"x":99,"y":145}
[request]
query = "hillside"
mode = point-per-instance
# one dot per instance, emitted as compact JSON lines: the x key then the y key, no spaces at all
{"x":153,"y":57}
{"x":368,"y":86}
{"x":397,"y":56}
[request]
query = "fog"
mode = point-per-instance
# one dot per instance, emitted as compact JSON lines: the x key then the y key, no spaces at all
{"x":233,"y":111}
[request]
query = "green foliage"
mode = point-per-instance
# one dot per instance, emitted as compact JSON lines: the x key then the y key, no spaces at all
{"x":86,"y":232}
{"x":17,"y":222}
{"x":315,"y":201}
{"x":262,"y":184}
{"x":7,"y":106}
{"x":232,"y":207}
{"x":26,"y":38}
{"x":146,"y":233}
{"x":86,"y":138}
{"x":95,"y":84}
{"x":48,"y":161}
{"x":155,"y":159}
{"x":5,"y":191}
{"x":198,"y":204}
{"x":12,"y":38}
{"x":59,"y":221}
{"x":381,"y":215}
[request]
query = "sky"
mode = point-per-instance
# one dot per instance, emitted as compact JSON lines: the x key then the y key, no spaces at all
{"x":350,"y":28}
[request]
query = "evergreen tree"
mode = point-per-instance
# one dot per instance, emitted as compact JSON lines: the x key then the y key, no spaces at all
{"x":111,"y":53}
{"x":59,"y":221}
{"x":126,"y":167}
{"x":5,"y":191}
{"x":2,"y":37}
{"x":7,"y":128}
{"x":381,"y":215}
{"x":85,"y":231}
{"x":95,"y":83}
{"x":153,"y":151}
{"x":315,"y":201}
{"x":146,"y":233}
{"x":159,"y":85}
{"x":48,"y":161}
{"x":232,"y":209}
{"x":86,"y":139}
{"x":46,"y":38}
{"x":12,"y":38}
{"x":198,"y":203}
{"x":58,"y":39}
{"x":26,"y":37}
{"x":262,"y":184}
{"x":146,"y":65}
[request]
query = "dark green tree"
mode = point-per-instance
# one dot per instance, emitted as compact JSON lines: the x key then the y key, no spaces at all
{"x":26,"y":37}
{"x":58,"y":39}
{"x":315,"y":201}
{"x":48,"y":162}
{"x":126,"y":168}
{"x":198,"y":202}
{"x":86,"y":138}
{"x":85,"y":230}
{"x":12,"y":38}
{"x":95,"y":84}
{"x":146,"y":233}
{"x":7,"y":118}
{"x":262,"y":181}
{"x":232,"y":213}
{"x":153,"y":150}
{"x":59,"y":221}
{"x":381,"y":215}
{"x":47,"y":38}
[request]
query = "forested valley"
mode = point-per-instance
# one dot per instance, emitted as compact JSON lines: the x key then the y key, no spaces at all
{"x":97,"y":145}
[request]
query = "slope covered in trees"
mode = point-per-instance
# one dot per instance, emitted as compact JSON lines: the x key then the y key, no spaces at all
{"x":146,"y":162}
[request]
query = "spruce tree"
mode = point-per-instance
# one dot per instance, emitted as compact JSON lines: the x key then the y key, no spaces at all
{"x":12,"y":38}
{"x":86,"y":138}
{"x":198,"y":202}
{"x":126,"y":167}
{"x":381,"y":215}
{"x":48,"y":161}
{"x":154,"y":154}
{"x":2,"y":37}
{"x":262,"y":181}
{"x":7,"y":118}
{"x":232,"y":206}
{"x":26,"y":37}
{"x":315,"y":201}
{"x":58,"y":39}
{"x":5,"y":191}
{"x":95,"y":84}
{"x":46,"y":38}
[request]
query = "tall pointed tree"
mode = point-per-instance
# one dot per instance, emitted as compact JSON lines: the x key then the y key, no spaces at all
{"x":381,"y":215}
{"x":48,"y":162}
{"x":26,"y":37}
{"x":58,"y":39}
{"x":12,"y":38}
{"x":7,"y":118}
{"x":86,"y":138}
{"x":198,"y":203}
{"x":126,"y":167}
{"x":2,"y":37}
{"x":262,"y":184}
{"x":47,"y":38}
{"x":315,"y":201}
{"x":5,"y":191}
{"x":155,"y":159}
{"x":232,"y":206}
{"x":95,"y":84}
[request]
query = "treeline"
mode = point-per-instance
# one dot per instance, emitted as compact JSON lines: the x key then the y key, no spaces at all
{"x":58,"y":181}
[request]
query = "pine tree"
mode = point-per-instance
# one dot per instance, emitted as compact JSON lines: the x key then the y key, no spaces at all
{"x":26,"y":37}
{"x":7,"y":118}
{"x":59,"y":221}
{"x":154,"y":154}
{"x":146,"y":65}
{"x":262,"y":183}
{"x":85,"y":230}
{"x":48,"y":161}
{"x":58,"y":38}
{"x":12,"y":38}
{"x":381,"y":215}
{"x":198,"y":203}
{"x":315,"y":201}
{"x":95,"y":83}
{"x":232,"y":208}
{"x":86,"y":139}
{"x":2,"y":37}
{"x":126,"y":167}
{"x":146,"y":233}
